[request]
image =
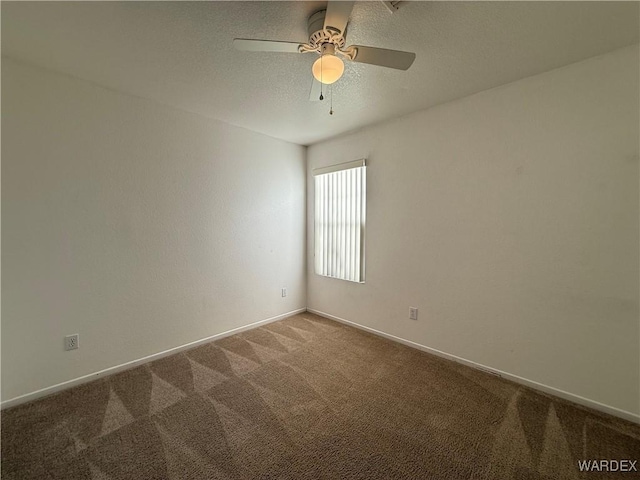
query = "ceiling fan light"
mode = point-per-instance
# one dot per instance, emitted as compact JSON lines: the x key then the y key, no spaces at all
{"x":328,"y":69}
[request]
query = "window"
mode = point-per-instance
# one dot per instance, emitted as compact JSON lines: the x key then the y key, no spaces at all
{"x":340,"y":208}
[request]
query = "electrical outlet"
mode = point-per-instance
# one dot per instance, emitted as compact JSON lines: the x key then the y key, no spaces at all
{"x":413,"y":313}
{"x":284,"y":292}
{"x":71,"y":342}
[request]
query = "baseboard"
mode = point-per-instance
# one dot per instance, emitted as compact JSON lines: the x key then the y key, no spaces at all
{"x":632,"y":417}
{"x":28,"y":397}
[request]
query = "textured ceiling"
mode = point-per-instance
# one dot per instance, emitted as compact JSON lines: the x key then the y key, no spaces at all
{"x":181,"y":54}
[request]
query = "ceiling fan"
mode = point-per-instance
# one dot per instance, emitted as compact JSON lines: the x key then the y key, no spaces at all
{"x":327,"y":32}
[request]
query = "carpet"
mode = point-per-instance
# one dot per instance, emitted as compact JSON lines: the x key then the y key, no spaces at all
{"x":307,"y":398}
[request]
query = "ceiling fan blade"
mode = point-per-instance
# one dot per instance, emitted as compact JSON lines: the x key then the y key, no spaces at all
{"x":249,"y":45}
{"x":316,"y":89}
{"x":384,"y":57}
{"x":337,"y":14}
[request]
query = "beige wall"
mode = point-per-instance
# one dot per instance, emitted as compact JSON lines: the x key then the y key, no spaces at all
{"x":138,"y":226}
{"x":510,"y":219}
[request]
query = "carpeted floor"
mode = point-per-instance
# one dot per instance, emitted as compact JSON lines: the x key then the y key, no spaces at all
{"x":307,"y":398}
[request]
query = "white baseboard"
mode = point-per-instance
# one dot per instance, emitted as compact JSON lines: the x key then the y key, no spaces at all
{"x":118,"y":368}
{"x":616,"y":412}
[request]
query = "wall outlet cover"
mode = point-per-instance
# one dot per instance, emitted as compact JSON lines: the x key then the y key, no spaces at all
{"x":413,"y":313}
{"x":72,"y":342}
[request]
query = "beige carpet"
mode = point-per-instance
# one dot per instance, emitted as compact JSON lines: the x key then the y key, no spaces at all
{"x":307,"y":398}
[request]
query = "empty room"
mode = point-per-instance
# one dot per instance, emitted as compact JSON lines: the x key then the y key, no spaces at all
{"x":320,"y":240}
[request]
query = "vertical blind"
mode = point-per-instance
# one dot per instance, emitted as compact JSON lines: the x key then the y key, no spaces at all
{"x":340,"y":208}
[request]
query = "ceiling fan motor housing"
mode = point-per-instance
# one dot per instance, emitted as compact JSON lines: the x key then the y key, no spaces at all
{"x":318,"y":35}
{"x":316,"y":22}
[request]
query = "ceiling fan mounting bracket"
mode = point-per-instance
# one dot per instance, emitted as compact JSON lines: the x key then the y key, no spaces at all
{"x":349,"y":52}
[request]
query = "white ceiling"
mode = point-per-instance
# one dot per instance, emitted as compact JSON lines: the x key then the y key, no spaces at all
{"x":181,"y":53}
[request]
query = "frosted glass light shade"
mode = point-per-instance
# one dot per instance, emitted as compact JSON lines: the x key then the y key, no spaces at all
{"x":327,"y":69}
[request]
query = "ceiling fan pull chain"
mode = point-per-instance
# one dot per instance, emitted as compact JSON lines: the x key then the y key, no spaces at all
{"x":331,"y":99}
{"x":321,"y":84}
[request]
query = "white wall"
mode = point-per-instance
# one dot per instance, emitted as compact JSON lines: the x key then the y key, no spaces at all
{"x":138,"y":226}
{"x":510,"y":219}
